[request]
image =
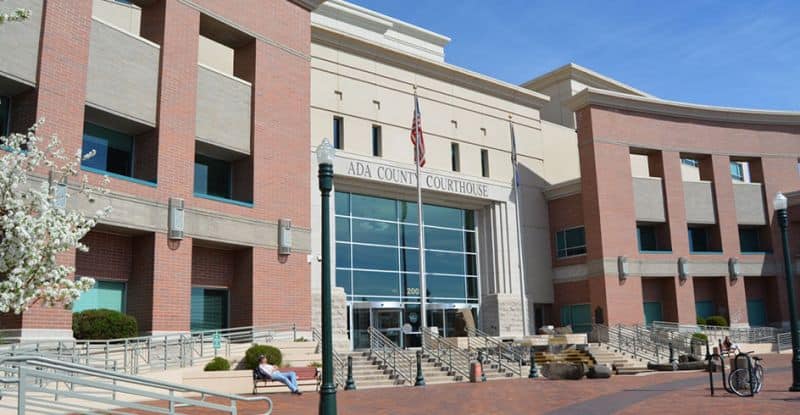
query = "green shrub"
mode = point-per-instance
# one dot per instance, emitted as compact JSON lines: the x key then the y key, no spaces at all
{"x":315,"y":364}
{"x":700,"y":337}
{"x":273,"y":355}
{"x":701,"y":321}
{"x":718,"y":321}
{"x":103,"y":324}
{"x":217,"y":364}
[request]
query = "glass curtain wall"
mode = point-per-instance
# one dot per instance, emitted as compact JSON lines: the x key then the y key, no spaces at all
{"x":377,"y":254}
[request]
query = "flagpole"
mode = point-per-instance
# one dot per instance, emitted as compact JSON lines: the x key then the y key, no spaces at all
{"x":517,"y":209}
{"x":420,"y":226}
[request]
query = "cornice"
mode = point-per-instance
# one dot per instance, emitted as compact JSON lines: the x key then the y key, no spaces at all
{"x":416,"y":64}
{"x":603,"y":98}
{"x":584,"y":75}
{"x":563,"y":189}
{"x":309,"y":5}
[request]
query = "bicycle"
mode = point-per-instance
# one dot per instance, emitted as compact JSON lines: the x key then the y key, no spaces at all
{"x":747,"y":380}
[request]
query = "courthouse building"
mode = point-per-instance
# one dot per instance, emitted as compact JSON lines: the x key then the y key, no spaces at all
{"x":632,"y":209}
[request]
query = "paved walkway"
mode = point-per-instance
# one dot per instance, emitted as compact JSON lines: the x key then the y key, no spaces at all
{"x":660,"y":393}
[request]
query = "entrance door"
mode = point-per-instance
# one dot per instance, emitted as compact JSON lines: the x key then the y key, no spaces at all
{"x":652,"y":312}
{"x":390,"y":323}
{"x":756,"y":313}
{"x":577,"y":315}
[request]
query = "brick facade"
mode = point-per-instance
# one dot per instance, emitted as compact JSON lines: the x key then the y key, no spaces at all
{"x":606,"y":139}
{"x":159,"y":271}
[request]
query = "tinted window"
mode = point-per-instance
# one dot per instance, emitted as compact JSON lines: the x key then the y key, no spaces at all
{"x":113,"y":150}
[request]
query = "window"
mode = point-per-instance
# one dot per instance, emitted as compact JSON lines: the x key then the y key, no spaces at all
{"x":338,"y":133}
{"x":751,"y":239}
{"x":5,"y":115}
{"x":212,"y":177}
{"x":652,"y":237}
{"x":691,"y":162}
{"x":113,"y":150}
{"x":737,"y":171}
{"x":485,"y":163}
{"x":570,"y":242}
{"x":209,"y":309}
{"x":104,"y":294}
{"x":455,"y":157}
{"x":698,"y":239}
{"x":377,"y":143}
{"x":377,"y":250}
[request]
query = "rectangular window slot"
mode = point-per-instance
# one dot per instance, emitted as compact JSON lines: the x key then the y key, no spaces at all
{"x":377,"y":143}
{"x":338,"y":133}
{"x":485,"y":163}
{"x":455,"y":157}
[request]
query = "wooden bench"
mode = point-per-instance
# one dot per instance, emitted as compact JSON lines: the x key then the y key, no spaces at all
{"x":305,"y":375}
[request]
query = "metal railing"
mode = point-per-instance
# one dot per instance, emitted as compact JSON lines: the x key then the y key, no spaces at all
{"x":45,"y":385}
{"x":391,"y":356}
{"x":339,"y":363}
{"x":736,"y":334}
{"x":783,"y":341}
{"x":457,"y":361}
{"x":507,"y":358}
{"x":160,"y":352}
{"x":642,"y":343}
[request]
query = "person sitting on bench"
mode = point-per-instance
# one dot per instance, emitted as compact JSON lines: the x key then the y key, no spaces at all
{"x":271,"y":372}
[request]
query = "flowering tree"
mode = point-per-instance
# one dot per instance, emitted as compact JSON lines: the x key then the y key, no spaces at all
{"x":15,"y":16}
{"x":35,"y":225}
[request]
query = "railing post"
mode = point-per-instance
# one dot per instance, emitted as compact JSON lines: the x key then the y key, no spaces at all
{"x":21,"y":390}
{"x":294,"y":332}
{"x":166,"y":350}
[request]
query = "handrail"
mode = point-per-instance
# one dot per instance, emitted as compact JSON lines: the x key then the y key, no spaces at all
{"x":783,"y":340}
{"x":454,"y":359}
{"x":642,"y":342}
{"x":391,"y":355}
{"x":131,"y":355}
{"x":339,"y":363}
{"x":33,"y":372}
{"x":736,"y":334}
{"x":497,"y":349}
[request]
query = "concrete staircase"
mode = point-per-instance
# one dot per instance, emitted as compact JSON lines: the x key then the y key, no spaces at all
{"x":623,"y":362}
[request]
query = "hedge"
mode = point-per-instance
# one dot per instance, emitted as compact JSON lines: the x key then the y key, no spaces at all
{"x":273,"y":355}
{"x":718,"y":321}
{"x":217,"y":364}
{"x":700,"y":337}
{"x":103,"y":324}
{"x":701,"y":321}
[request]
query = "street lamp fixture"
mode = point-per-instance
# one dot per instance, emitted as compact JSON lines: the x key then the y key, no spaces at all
{"x":327,"y":391}
{"x":781,"y":204}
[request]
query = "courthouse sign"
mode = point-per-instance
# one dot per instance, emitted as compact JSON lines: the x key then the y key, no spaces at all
{"x":408,"y":177}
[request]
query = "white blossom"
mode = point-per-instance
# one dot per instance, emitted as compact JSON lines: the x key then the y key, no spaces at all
{"x":35,"y":227}
{"x":15,"y":16}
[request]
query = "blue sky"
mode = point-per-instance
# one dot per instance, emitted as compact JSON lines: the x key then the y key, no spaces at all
{"x":737,"y":53}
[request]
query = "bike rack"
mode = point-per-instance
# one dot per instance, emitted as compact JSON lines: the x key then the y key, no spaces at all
{"x":711,"y":357}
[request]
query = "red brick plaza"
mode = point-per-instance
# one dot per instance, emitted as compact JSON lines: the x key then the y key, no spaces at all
{"x":657,"y":393}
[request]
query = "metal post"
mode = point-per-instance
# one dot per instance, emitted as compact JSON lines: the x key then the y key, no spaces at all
{"x":533,"y":374}
{"x":750,"y":376}
{"x":783,"y":220}
{"x":350,"y":384}
{"x":327,"y":392}
{"x":420,"y":379}
{"x":710,"y":368}
{"x":672,"y":356}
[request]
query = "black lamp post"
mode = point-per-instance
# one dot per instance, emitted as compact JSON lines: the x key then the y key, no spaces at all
{"x":781,"y":204}
{"x":327,"y":392}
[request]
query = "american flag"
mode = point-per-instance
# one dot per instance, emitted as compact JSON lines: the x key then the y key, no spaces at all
{"x":416,"y":134}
